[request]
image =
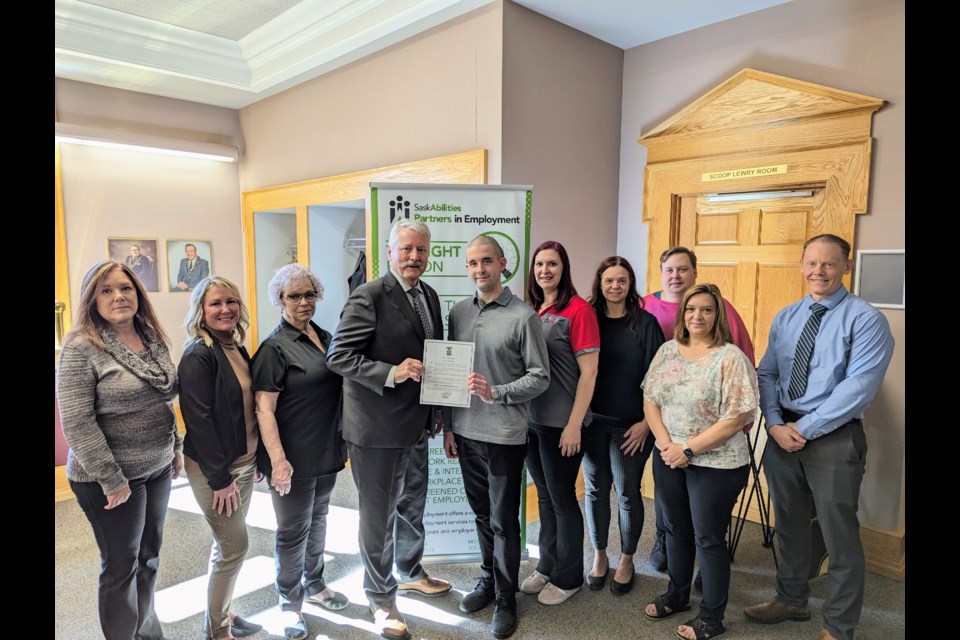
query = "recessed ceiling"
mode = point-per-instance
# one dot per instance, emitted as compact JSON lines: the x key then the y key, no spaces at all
{"x":230,"y":19}
{"x":231,"y":53}
{"x":630,"y":23}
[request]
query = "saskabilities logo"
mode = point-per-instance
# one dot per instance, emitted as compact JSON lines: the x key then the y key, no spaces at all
{"x":399,"y":208}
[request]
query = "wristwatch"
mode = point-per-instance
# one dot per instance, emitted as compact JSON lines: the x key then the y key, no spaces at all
{"x":689,"y":453}
{"x":495,"y":393}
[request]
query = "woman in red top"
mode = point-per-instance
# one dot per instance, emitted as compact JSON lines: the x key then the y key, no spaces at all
{"x":555,"y":419}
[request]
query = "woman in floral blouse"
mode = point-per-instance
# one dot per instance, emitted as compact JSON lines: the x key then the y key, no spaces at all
{"x":698,"y":393}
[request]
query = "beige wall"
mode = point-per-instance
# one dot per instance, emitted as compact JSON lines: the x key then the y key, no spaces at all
{"x":97,"y":106}
{"x":561,"y":115}
{"x":854,"y":45}
{"x":127,"y":194}
{"x":431,"y":95}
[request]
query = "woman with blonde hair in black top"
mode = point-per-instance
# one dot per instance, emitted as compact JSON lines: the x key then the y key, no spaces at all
{"x":217,"y":402}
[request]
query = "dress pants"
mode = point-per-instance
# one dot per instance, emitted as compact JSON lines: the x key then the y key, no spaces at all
{"x":697,"y":502}
{"x":561,"y":522}
{"x":493,"y":479}
{"x":392,"y":491}
{"x":129,"y":537}
{"x":826,"y":474}
{"x":230,"y":542}
{"x":605,"y":465}
{"x":301,"y":537}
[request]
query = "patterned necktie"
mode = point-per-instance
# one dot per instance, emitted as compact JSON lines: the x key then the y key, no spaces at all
{"x":801,"y":360}
{"x":422,"y":312}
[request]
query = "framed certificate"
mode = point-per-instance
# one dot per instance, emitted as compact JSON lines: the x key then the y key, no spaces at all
{"x":446,"y":365}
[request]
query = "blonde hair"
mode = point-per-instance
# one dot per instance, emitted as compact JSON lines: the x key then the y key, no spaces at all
{"x":193,"y":322}
{"x":89,"y":322}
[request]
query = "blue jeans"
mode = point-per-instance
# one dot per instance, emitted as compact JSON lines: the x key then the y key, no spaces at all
{"x":129,"y":537}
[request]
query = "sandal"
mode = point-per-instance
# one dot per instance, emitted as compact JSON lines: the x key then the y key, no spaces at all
{"x":701,"y":630}
{"x":663,"y":611}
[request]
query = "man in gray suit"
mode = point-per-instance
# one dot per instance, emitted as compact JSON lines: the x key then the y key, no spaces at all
{"x":378,"y":348}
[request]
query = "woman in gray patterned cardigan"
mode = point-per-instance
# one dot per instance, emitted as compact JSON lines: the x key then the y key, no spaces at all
{"x":115,"y":387}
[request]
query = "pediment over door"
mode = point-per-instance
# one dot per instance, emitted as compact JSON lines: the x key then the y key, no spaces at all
{"x":760,"y":111}
{"x":792,"y":160}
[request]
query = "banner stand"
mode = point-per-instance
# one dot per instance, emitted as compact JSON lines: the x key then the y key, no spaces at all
{"x":456,"y":214}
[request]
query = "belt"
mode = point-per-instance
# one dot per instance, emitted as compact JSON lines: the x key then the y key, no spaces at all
{"x":792,"y":416}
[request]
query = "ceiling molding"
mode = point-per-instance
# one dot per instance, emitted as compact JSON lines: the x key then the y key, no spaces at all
{"x":107,"y":47}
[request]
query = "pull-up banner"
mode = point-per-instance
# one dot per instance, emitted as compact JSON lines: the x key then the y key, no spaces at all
{"x":456,"y":214}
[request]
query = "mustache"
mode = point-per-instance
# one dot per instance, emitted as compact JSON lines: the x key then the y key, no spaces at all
{"x":411,"y":263}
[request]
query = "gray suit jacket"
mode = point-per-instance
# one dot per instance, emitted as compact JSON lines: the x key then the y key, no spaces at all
{"x":379,"y":329}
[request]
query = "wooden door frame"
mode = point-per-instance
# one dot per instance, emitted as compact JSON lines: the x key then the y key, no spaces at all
{"x":842,"y":172}
{"x":469,"y":167}
{"x":817,"y":136}
{"x":756,"y":119}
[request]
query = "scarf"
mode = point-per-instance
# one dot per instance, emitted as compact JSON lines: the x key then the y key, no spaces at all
{"x":153,"y":365}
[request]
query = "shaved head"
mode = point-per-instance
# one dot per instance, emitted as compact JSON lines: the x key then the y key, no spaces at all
{"x":483,"y":240}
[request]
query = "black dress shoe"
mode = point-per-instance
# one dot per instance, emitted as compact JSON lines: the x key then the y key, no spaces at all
{"x":504,"y":616}
{"x":297,"y":630}
{"x":243,"y":628}
{"x":480,"y":598}
{"x":240,"y":628}
{"x":596,"y":583}
{"x":621,"y":588}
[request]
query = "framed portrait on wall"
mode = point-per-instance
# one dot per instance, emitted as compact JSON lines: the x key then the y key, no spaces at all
{"x":188,"y":262}
{"x":140,"y":254}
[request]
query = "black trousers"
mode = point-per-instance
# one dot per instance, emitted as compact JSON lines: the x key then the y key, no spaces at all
{"x":493,"y":479}
{"x":561,"y":522}
{"x":301,"y":538}
{"x":697,"y":502}
{"x":129,"y":537}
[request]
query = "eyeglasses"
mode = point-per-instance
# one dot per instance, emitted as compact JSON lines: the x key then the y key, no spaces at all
{"x":295,"y":297}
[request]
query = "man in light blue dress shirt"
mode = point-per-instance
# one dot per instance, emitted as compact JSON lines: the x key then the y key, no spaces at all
{"x":816,"y":453}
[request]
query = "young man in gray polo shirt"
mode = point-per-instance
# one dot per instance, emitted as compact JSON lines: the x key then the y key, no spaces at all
{"x":510,"y":367}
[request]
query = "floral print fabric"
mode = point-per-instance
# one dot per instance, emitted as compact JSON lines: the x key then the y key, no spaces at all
{"x":694,"y":394}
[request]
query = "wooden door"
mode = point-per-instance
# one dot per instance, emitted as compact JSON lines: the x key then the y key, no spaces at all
{"x":751,"y":250}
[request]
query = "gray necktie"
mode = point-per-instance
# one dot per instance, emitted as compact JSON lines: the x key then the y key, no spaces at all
{"x":421,"y":311}
{"x":801,"y":360}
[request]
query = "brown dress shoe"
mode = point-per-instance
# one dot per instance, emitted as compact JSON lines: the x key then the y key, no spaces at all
{"x":425,"y":586}
{"x":825,"y":635}
{"x":775,"y":611}
{"x":390,"y":623}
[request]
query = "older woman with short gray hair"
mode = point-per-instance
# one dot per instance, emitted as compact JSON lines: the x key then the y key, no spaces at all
{"x":301,"y":445}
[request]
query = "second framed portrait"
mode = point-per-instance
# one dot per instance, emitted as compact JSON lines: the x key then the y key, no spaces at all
{"x":188,"y":262}
{"x":140,"y":255}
